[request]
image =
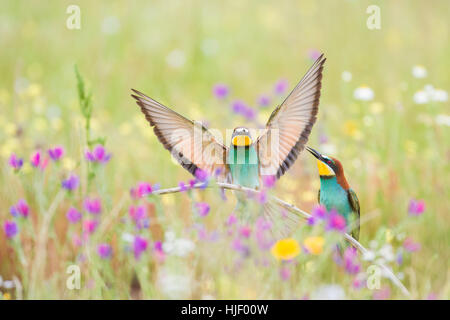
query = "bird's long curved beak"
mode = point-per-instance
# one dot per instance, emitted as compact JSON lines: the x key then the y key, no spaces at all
{"x":314,"y":153}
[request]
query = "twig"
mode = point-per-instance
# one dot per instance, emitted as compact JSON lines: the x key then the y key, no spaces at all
{"x":298,"y":212}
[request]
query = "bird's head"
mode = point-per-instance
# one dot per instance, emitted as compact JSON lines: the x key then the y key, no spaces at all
{"x":241,"y":137}
{"x":328,"y":166}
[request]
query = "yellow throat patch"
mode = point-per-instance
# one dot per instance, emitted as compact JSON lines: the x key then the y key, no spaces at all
{"x":241,"y":141}
{"x":324,"y":170}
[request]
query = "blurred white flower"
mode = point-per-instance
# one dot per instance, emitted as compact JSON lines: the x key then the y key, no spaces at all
{"x":419,"y":71}
{"x":369,"y":255}
{"x":175,"y":286}
{"x":110,"y":25}
{"x":127,"y":237}
{"x":443,"y":120}
{"x":176,"y":58}
{"x":421,"y":97}
{"x":387,"y":253}
{"x":8,"y":284}
{"x":346,"y":76}
{"x":210,"y":47}
{"x":329,"y":292}
{"x":328,"y":148}
{"x":363,"y":93}
{"x":178,"y":247}
{"x":429,"y":93}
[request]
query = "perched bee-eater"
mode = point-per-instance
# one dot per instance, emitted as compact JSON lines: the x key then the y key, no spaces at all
{"x":335,"y":192}
{"x":246,"y":160}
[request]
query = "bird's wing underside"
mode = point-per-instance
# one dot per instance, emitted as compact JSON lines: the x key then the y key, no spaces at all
{"x":189,"y":142}
{"x":290,"y":124}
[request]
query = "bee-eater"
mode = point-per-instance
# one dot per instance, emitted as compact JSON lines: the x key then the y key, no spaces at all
{"x":335,"y":192}
{"x":246,"y":160}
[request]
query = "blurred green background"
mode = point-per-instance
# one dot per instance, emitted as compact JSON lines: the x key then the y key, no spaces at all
{"x":392,"y":148}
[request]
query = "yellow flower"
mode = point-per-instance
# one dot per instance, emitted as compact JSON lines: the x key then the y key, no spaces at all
{"x":351,"y":128}
{"x":314,"y":244}
{"x":6,"y":296}
{"x":285,"y":249}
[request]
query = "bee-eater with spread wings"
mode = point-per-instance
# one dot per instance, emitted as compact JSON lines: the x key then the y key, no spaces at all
{"x":246,"y":160}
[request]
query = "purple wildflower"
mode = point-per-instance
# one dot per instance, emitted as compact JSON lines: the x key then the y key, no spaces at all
{"x":139,"y":246}
{"x":98,"y":155}
{"x":93,"y":206}
{"x":382,"y":294}
{"x":285,"y":273}
{"x":245,"y":231}
{"x":73,"y":215}
{"x":15,"y":162}
{"x":410,"y":245}
{"x":238,"y":107}
{"x":56,"y":153}
{"x":201,"y":175}
{"x":336,"y":221}
{"x":89,"y":226}
{"x":10,"y":228}
{"x":141,"y":190}
{"x":36,"y":159}
{"x":249,"y":113}
{"x":231,"y":220}
{"x":158,"y":251}
{"x":262,"y":234}
{"x":71,"y":183}
{"x":263,"y":100}
{"x":261,"y":197}
{"x":416,"y":207}
{"x":221,"y":91}
{"x":281,"y":86}
{"x":350,"y":261}
{"x":182,"y":186}
{"x":269,"y":181}
{"x":202,"y":208}
{"x":313,"y":54}
{"x":139,"y":215}
{"x":21,"y":208}
{"x":104,"y":250}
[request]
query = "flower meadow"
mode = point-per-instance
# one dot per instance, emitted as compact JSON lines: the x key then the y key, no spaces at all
{"x":84,"y":210}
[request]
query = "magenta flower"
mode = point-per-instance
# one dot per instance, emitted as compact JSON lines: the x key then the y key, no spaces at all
{"x":15,"y":162}
{"x":261,"y":197}
{"x":36,"y":159}
{"x":89,"y":226}
{"x":416,"y":207}
{"x":336,"y":221}
{"x":93,"y":206}
{"x":249,"y":113}
{"x":285,"y":273}
{"x":238,"y":107}
{"x":232,"y":219}
{"x":245,"y":231}
{"x":319,"y":213}
{"x":351,"y":261}
{"x":139,"y":246}
{"x":382,"y":294}
{"x":139,"y":215}
{"x":182,"y":186}
{"x":104,"y":250}
{"x":73,"y":215}
{"x":71,"y":183}
{"x":141,"y":190}
{"x":10,"y":228}
{"x":313,"y":54}
{"x":56,"y":153}
{"x":158,"y":251}
{"x":240,"y":247}
{"x":202,"y":208}
{"x":263,"y":100}
{"x":269,"y":181}
{"x":221,"y":91}
{"x":281,"y":86}
{"x":98,"y":155}
{"x":21,"y":208}
{"x":410,"y":245}
{"x":201,"y":175}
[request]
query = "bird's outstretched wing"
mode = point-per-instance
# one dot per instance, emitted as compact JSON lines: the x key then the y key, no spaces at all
{"x":189,"y":142}
{"x":290,"y":124}
{"x":354,"y":204}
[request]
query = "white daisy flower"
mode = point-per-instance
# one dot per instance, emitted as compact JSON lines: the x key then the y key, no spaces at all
{"x":346,"y":76}
{"x":176,"y":58}
{"x":439,"y":95}
{"x":421,"y":97}
{"x":419,"y":72}
{"x":329,"y":292}
{"x":363,"y":93}
{"x":443,"y":120}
